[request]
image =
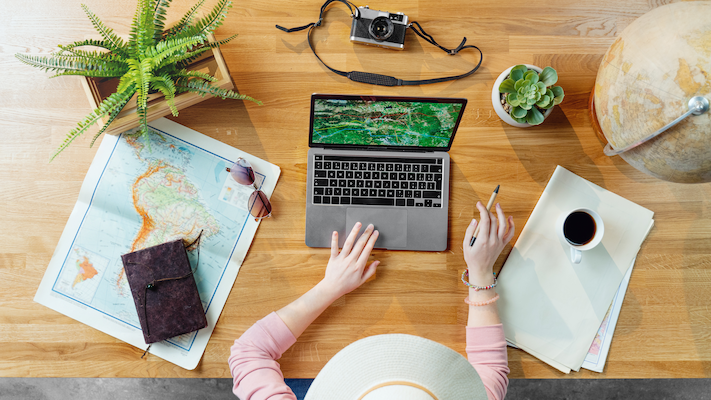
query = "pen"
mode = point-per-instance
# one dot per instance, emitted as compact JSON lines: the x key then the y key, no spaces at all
{"x":488,"y":208}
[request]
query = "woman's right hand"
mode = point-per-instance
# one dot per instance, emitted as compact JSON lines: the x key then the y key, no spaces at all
{"x":348,"y":269}
{"x":493,"y":236}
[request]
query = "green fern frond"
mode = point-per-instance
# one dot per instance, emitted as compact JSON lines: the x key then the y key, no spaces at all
{"x":112,"y":103}
{"x":142,"y":29}
{"x":205,"y":88}
{"x":143,"y":129}
{"x":185,"y":21}
{"x":166,"y":86}
{"x":160,"y":52}
{"x":69,"y":52}
{"x":219,"y":43}
{"x":194,"y":74}
{"x":75,"y":65}
{"x":183,"y":60}
{"x":161,"y":9}
{"x":140,"y":71}
{"x":112,"y":117}
{"x":147,"y":29}
{"x":88,"y":42}
{"x":111,"y":39}
{"x":212,"y":21}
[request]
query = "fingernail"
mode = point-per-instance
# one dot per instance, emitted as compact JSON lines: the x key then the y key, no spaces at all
{"x":498,"y":205}
{"x":370,"y":226}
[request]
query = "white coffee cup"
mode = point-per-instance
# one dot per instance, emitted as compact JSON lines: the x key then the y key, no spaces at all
{"x":581,"y":229}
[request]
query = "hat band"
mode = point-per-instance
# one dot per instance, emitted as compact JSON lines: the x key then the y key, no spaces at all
{"x":364,"y":396}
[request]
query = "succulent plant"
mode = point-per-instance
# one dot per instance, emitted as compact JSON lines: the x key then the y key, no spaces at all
{"x":528,"y":93}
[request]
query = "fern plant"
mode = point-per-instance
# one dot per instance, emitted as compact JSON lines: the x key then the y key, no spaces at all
{"x":154,"y":59}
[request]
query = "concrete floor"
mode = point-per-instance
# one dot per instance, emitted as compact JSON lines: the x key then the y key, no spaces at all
{"x":190,"y":389}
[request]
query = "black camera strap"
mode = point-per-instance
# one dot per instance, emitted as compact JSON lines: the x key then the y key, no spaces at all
{"x":378,"y":79}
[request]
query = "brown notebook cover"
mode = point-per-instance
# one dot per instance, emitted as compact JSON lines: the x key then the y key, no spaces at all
{"x":166,"y":308}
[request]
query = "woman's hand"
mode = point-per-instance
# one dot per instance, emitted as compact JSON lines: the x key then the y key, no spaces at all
{"x":493,"y":236}
{"x":347,"y":270}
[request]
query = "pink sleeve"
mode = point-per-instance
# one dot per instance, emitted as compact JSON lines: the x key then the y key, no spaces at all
{"x":486,"y":351}
{"x":255,"y":372}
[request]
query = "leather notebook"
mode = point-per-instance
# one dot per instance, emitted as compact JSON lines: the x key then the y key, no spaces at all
{"x":164,"y":291}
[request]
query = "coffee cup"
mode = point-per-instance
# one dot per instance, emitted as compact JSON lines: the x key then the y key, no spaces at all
{"x":581,"y":229}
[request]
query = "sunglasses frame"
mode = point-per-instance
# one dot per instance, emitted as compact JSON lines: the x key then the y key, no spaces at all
{"x":266,"y":204}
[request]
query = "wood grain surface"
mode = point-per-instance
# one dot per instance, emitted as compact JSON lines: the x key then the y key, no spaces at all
{"x":664,"y":330}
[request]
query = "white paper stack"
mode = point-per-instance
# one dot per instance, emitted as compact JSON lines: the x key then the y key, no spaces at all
{"x":550,"y":307}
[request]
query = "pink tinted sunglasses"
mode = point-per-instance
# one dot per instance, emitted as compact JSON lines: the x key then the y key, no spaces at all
{"x":243,"y":173}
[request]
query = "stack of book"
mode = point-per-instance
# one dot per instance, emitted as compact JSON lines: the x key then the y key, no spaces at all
{"x":550,"y":307}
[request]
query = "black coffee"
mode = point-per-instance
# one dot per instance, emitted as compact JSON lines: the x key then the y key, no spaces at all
{"x":579,"y":228}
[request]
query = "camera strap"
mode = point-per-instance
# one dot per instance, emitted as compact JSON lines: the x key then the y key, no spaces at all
{"x":378,"y":79}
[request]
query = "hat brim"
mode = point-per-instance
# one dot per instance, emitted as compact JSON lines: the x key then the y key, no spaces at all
{"x":380,"y":359}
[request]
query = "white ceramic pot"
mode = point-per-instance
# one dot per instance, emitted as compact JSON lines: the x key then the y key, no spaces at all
{"x":496,"y":99}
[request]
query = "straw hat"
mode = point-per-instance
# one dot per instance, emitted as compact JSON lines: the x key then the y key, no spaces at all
{"x":397,"y":367}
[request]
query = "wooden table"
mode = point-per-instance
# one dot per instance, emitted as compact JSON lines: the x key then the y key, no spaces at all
{"x":663,"y":330}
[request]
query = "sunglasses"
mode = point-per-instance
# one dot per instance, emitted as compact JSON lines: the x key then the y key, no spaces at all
{"x":243,"y":173}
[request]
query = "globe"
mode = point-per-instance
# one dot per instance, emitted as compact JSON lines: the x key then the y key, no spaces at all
{"x":645,"y":80}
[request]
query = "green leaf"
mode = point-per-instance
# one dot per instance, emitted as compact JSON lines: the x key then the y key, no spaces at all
{"x":531,"y":76}
{"x":112,"y":116}
{"x":548,"y":76}
{"x":517,"y":72}
{"x":545,"y":102}
{"x":512,"y":99}
{"x":558,"y":93}
{"x":161,"y":10}
{"x":541,"y":87}
{"x":185,"y":21}
{"x":212,"y":21}
{"x":195,"y":74}
{"x":519,"y":120}
{"x":534,"y":117}
{"x":521,"y":83}
{"x":166,"y":86}
{"x":111,"y":40}
{"x":158,"y":53}
{"x":204,"y":88}
{"x":507,"y":86}
{"x":518,"y":112}
{"x":525,"y":106}
{"x":75,"y":65}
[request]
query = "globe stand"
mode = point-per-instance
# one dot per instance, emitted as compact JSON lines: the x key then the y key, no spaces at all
{"x":593,"y":118}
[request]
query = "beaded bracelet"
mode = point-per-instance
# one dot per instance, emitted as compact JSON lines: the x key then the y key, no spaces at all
{"x":465,"y":279}
{"x":481,"y":303}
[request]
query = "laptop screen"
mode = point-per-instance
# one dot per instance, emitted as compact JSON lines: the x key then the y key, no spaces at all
{"x":344,"y":121}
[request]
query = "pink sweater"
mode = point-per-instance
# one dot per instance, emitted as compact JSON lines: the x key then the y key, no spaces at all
{"x":257,"y":376}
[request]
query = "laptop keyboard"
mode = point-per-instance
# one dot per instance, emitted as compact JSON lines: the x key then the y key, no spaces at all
{"x":377,"y":181}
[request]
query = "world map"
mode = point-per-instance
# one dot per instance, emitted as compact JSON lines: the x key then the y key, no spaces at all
{"x":151,"y":193}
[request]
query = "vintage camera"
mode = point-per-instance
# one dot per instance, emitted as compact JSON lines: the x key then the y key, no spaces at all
{"x":379,"y":28}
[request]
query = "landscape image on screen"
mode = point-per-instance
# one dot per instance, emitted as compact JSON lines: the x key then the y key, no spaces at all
{"x":384,"y":123}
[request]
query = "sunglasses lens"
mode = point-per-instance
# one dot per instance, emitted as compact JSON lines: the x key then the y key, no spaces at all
{"x":242,"y":172}
{"x":259,"y":205}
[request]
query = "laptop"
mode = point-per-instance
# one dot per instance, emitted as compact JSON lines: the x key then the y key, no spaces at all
{"x":380,"y":160}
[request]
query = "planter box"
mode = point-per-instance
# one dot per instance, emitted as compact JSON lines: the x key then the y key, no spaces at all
{"x":97,"y":89}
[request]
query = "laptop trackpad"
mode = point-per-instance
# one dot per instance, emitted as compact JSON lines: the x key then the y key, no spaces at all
{"x":392,"y":225}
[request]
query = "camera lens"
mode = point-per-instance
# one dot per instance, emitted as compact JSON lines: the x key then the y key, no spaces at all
{"x":381,"y":28}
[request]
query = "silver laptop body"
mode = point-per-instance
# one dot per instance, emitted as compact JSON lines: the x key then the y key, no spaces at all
{"x":380,"y":160}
